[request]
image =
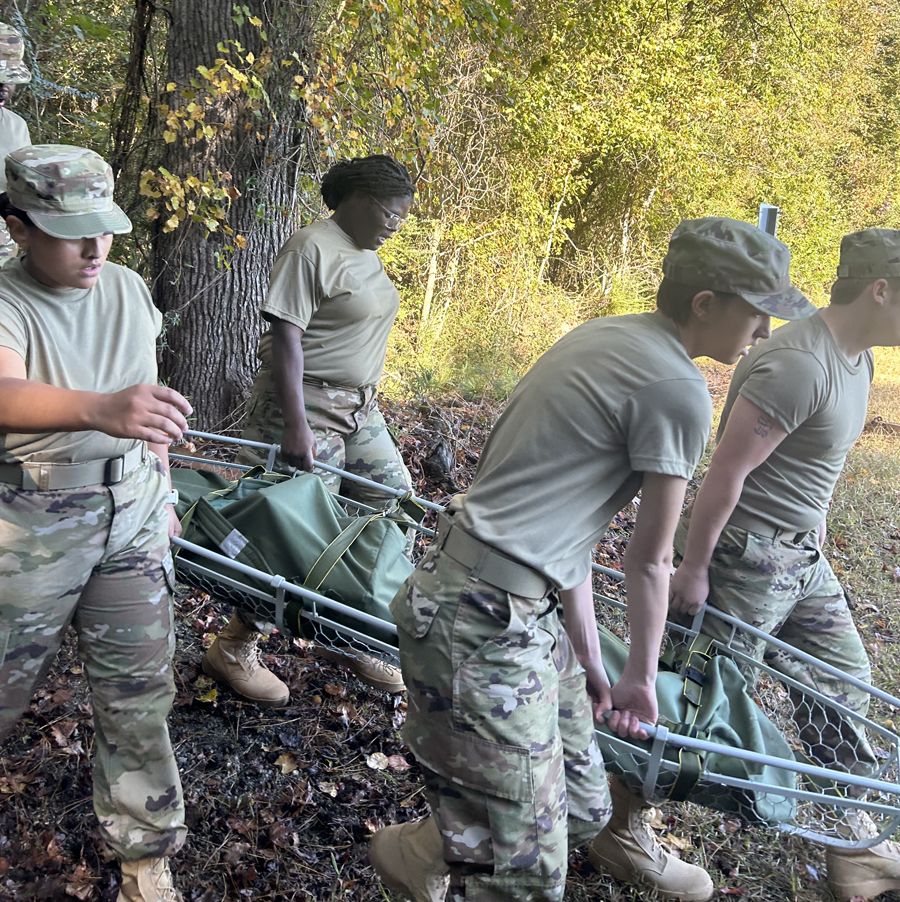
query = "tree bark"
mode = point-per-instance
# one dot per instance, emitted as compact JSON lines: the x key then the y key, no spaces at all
{"x":210,"y":296}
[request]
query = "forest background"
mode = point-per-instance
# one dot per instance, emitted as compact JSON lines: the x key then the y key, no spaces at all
{"x":555,"y":146}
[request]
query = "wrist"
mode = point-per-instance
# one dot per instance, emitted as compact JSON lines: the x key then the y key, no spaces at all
{"x":689,"y":565}
{"x":88,"y":412}
{"x":641,"y":675}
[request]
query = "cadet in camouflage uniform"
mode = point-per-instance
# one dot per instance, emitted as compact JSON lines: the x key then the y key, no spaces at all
{"x":85,"y":512}
{"x":330,"y":308}
{"x":753,"y":541}
{"x":502,"y":699}
{"x":13,"y":130}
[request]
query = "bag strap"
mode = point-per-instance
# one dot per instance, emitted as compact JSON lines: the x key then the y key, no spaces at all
{"x":330,"y":557}
{"x":690,"y":764}
{"x":410,"y":506}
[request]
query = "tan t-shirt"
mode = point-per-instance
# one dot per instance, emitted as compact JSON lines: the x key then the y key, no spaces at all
{"x":615,"y":398}
{"x":101,"y":340}
{"x":340,"y":296}
{"x":802,"y":380}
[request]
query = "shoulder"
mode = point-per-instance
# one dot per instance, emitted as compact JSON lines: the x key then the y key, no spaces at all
{"x":13,"y":121}
{"x":321,"y":236}
{"x":780,"y":358}
{"x":116,"y":278}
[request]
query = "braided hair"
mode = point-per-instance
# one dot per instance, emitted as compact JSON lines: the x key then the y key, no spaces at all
{"x":379,"y":175}
{"x":7,"y":208}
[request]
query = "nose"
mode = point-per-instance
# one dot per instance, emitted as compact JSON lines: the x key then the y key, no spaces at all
{"x":764,"y":330}
{"x":90,"y":248}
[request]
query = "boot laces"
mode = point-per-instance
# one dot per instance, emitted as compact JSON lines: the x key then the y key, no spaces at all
{"x":249,"y":654}
{"x":657,"y":850}
{"x":161,"y":878}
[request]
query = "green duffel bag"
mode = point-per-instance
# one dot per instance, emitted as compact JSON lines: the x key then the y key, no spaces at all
{"x":709,"y":702}
{"x":295,"y":528}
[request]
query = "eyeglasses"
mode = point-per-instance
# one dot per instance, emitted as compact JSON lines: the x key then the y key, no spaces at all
{"x":391,"y":220}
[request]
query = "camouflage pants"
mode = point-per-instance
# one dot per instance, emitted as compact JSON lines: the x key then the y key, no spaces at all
{"x":99,"y":558}
{"x":500,"y":719}
{"x":350,"y":431}
{"x":788,"y":590}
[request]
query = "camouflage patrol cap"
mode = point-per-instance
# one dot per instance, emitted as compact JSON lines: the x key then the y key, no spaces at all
{"x":870,"y":254}
{"x":735,"y":257}
{"x":12,"y":51}
{"x":66,"y":191}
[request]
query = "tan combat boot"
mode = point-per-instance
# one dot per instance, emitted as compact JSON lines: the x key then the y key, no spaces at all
{"x":409,"y":860}
{"x":628,"y":850}
{"x":233,"y":659}
{"x":368,"y":669}
{"x":863,"y":872}
{"x":147,"y":880}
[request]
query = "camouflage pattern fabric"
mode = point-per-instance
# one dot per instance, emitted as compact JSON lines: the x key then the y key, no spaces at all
{"x":12,"y":51}
{"x":788,"y":590}
{"x":8,"y":248}
{"x":99,"y":558}
{"x":735,"y":257}
{"x":350,"y":431}
{"x":870,"y":254}
{"x":67,"y":191}
{"x":500,"y":719}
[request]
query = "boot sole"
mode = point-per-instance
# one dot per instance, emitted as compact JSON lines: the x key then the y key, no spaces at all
{"x":628,"y":877}
{"x":214,"y":673}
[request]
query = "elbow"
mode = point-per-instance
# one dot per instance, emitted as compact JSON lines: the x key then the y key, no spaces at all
{"x":649,"y":567}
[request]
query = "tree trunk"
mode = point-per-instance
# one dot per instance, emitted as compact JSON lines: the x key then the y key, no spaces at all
{"x":210,"y":295}
{"x":432,"y":276}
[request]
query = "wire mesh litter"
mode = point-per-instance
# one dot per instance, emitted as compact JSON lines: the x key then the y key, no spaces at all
{"x":847,"y":762}
{"x":845,"y":773}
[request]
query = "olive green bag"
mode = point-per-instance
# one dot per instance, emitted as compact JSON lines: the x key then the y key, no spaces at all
{"x":294,"y":527}
{"x":702,"y":695}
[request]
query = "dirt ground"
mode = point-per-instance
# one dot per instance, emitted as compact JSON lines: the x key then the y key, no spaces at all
{"x":281,"y":803}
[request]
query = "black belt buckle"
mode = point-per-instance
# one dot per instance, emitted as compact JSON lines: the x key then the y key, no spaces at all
{"x":114,"y":471}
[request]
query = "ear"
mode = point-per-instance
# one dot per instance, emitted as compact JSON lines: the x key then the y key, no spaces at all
{"x":881,"y":292}
{"x":701,"y":305}
{"x":18,"y":231}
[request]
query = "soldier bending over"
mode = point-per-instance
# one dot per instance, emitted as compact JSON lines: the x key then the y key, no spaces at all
{"x":502,"y":700}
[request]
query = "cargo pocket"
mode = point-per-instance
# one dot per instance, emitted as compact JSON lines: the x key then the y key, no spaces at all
{"x":491,"y":768}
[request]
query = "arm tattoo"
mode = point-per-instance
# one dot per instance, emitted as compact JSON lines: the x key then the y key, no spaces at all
{"x":764,"y":424}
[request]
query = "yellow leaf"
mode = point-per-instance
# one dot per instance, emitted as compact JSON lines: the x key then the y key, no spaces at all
{"x":171,"y":86}
{"x":169,"y":136}
{"x":213,"y":694}
{"x":286,"y":762}
{"x":255,"y":21}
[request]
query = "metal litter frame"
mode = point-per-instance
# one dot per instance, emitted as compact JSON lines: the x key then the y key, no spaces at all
{"x":881,"y":783}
